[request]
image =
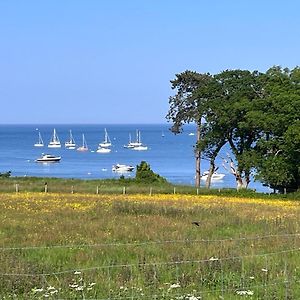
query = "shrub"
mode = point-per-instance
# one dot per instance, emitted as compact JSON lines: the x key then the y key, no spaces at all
{"x":146,"y":175}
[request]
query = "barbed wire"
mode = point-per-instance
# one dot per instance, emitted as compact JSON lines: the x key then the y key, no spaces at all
{"x":156,"y":264}
{"x":135,"y":244}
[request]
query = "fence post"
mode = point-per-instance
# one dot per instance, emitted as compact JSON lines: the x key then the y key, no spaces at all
{"x":97,"y":190}
{"x":72,"y":189}
{"x":17,"y":187}
{"x":150,"y":193}
{"x":174,"y":192}
{"x":46,"y":187}
{"x":124,"y":190}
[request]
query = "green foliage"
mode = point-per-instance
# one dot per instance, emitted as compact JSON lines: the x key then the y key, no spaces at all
{"x":257,"y":114}
{"x":146,"y":175}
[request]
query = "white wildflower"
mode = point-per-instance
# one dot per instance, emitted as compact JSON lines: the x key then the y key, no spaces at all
{"x":54,"y":292}
{"x":174,"y":286}
{"x":264,"y":270}
{"x":80,"y":288}
{"x":74,"y":285}
{"x":193,"y":298}
{"x":37,"y":290}
{"x":213,"y":258}
{"x":245,"y":293}
{"x":77,"y":272}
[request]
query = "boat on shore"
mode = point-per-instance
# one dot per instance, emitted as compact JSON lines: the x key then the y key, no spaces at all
{"x":215,"y":177}
{"x":47,"y":158}
{"x":54,"y":142}
{"x":122,"y":168}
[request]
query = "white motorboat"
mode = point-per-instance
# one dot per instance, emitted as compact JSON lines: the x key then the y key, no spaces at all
{"x":122,"y":168}
{"x":70,"y":144}
{"x":54,"y":142}
{"x":45,"y":158}
{"x":107,"y":142}
{"x":84,"y":146}
{"x":40,"y":142}
{"x":216,"y":176}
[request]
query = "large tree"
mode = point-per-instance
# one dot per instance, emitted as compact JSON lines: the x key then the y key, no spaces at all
{"x":278,"y":149}
{"x":227,"y":116}
{"x":186,"y":106}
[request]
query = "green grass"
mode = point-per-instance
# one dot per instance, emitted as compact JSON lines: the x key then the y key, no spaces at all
{"x":137,"y":247}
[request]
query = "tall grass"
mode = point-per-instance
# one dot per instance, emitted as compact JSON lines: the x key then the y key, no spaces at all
{"x":76,"y":246}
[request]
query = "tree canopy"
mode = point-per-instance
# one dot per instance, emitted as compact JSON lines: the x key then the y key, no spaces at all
{"x":256,"y":114}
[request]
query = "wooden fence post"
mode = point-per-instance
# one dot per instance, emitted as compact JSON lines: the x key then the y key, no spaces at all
{"x":17,"y":187}
{"x":72,"y":189}
{"x":97,"y":190}
{"x":174,"y":190}
{"x":46,"y":187}
{"x":150,"y":193}
{"x":124,"y":190}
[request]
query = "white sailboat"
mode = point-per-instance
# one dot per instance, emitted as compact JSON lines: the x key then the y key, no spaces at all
{"x":54,"y":142}
{"x":103,"y":150}
{"x":70,"y":144}
{"x":138,"y":145}
{"x":84,"y":146}
{"x":107,"y":142}
{"x":40,"y":142}
{"x":129,"y":145}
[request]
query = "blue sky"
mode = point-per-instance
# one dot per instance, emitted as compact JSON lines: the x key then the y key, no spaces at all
{"x":93,"y":61}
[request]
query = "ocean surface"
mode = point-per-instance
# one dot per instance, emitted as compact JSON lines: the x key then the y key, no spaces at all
{"x":169,"y":155}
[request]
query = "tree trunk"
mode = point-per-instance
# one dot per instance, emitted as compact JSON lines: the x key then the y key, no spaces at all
{"x":241,"y":183}
{"x":198,"y":158}
{"x":210,"y":173}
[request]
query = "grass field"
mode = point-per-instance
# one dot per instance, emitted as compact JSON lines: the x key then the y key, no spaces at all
{"x":107,"y":246}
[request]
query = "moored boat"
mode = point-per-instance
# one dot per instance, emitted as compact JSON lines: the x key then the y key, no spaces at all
{"x":40,"y":142}
{"x":84,"y":146}
{"x":70,"y":144}
{"x":122,"y":168}
{"x":54,"y":142}
{"x":45,"y":158}
{"x":107,"y":142}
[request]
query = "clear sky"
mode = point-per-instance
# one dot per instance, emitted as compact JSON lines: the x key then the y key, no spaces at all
{"x":94,"y":61}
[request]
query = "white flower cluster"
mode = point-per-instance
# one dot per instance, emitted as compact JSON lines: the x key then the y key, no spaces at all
{"x":245,"y":293}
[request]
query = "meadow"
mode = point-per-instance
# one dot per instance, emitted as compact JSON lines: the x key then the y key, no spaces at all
{"x":141,"y":246}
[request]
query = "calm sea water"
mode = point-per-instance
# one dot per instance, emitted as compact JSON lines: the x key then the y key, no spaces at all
{"x":169,"y":155}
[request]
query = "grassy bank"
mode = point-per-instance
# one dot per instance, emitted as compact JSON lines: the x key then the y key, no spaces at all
{"x":84,"y":246}
{"x":116,"y":186}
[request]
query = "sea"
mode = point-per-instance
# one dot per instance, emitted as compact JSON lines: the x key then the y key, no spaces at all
{"x":169,"y":155}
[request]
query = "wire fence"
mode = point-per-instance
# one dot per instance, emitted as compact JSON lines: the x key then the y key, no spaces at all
{"x":248,"y":270}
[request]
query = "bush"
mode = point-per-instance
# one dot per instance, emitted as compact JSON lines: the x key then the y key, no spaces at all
{"x":146,"y":175}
